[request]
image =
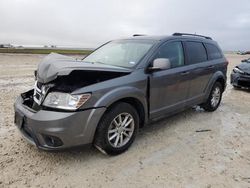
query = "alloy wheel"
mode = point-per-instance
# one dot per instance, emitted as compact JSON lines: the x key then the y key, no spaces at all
{"x":121,"y":130}
{"x":216,"y":95}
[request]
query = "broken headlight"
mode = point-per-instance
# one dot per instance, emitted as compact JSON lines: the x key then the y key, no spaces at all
{"x":65,"y":101}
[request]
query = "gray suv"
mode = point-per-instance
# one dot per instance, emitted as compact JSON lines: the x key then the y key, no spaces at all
{"x":106,"y":97}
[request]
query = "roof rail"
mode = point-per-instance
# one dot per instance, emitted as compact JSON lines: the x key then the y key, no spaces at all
{"x":188,"y":34}
{"x":137,"y":35}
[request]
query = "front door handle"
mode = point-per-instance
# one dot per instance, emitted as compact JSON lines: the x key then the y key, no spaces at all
{"x":185,"y":73}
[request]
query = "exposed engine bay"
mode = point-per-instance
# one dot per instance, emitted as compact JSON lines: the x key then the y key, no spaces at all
{"x":75,"y":80}
{"x":80,"y":78}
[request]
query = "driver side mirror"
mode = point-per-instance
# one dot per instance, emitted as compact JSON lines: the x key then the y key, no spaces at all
{"x":160,"y":64}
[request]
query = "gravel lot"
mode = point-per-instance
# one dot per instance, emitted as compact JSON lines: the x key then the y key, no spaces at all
{"x":170,"y":153}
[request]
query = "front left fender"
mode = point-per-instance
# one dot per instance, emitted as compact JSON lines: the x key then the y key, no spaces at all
{"x":121,"y":93}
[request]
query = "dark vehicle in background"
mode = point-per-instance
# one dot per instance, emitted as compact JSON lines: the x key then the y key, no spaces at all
{"x":240,"y":76}
{"x":243,"y":52}
{"x":246,"y":60}
{"x":106,"y":97}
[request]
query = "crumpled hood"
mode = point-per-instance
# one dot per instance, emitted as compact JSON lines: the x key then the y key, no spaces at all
{"x":244,"y":67}
{"x":55,"y":65}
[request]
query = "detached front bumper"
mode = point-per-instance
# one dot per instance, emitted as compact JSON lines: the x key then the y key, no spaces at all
{"x":240,"y":80}
{"x":52,"y":130}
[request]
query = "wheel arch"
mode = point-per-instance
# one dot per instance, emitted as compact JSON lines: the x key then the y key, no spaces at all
{"x":217,"y":77}
{"x":222,"y":81}
{"x":131,"y":95}
{"x":137,"y":104}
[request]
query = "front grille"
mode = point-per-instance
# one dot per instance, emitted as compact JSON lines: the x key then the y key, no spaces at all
{"x":40,"y":91}
{"x":38,"y":96}
{"x":39,"y":85}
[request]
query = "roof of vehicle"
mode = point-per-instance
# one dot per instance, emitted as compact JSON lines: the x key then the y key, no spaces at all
{"x":174,"y":36}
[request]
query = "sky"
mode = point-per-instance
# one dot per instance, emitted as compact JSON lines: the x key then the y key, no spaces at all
{"x":89,"y":23}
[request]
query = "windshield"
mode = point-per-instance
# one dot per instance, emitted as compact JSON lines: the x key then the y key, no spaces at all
{"x":123,"y":53}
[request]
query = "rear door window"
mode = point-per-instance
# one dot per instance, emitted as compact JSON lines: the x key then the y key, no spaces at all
{"x":196,"y":52}
{"x":213,"y":52}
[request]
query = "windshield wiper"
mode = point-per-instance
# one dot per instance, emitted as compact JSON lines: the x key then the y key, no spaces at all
{"x":88,"y":62}
{"x":100,"y":62}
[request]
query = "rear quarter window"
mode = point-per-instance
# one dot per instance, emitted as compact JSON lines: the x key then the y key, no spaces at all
{"x":213,"y":52}
{"x":196,"y":52}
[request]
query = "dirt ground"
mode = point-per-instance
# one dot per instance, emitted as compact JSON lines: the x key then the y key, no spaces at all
{"x":169,"y":153}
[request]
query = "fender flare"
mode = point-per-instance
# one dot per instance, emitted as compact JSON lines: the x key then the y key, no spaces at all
{"x":122,"y":93}
{"x":217,"y":75}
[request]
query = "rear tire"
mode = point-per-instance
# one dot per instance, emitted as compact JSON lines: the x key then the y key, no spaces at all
{"x":214,"y":98}
{"x":117,"y":129}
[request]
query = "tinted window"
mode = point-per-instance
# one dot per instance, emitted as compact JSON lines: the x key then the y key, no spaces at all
{"x":213,"y":52}
{"x":196,"y":52}
{"x":174,"y":52}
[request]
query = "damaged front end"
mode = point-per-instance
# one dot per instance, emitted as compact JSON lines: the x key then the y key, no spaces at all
{"x":35,"y":98}
{"x":43,"y":114}
{"x":57,"y":77}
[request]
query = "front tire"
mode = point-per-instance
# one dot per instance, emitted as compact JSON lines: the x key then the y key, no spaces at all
{"x":117,"y":129}
{"x":214,"y":98}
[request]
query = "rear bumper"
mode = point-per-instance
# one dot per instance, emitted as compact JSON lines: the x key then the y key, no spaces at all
{"x":52,"y":130}
{"x":240,"y":80}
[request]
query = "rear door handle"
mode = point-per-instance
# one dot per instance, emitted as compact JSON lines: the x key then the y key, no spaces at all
{"x":210,"y":67}
{"x":185,"y":73}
